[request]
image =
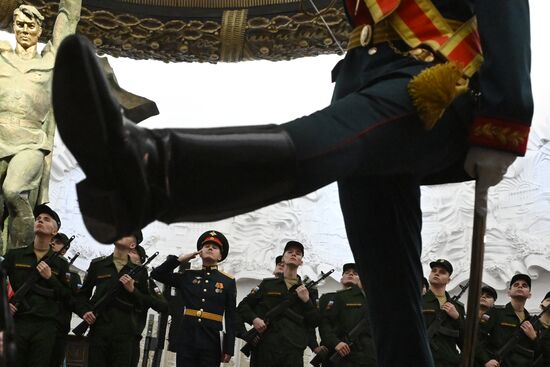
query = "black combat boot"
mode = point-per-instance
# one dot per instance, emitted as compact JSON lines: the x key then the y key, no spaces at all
{"x":135,"y":176}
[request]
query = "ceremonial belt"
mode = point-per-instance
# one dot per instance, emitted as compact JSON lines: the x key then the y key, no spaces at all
{"x":419,"y":23}
{"x":203,"y":314}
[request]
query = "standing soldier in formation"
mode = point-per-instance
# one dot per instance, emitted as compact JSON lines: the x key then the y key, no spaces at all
{"x":114,"y":331}
{"x":65,"y":308}
{"x":346,"y":309}
{"x":284,"y":338}
{"x":36,"y":315}
{"x":154,"y":299}
{"x":502,"y":322}
{"x":543,"y":349}
{"x":486,"y":301}
{"x":279,"y":266}
{"x":208,"y":295}
{"x":437,"y":305}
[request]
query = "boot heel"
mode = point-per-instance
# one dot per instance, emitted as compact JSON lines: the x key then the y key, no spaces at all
{"x":104,"y":212}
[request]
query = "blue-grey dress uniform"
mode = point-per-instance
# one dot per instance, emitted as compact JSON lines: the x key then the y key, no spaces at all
{"x":208,"y":295}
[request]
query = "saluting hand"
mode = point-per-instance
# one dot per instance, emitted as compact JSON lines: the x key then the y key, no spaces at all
{"x":529,"y":330}
{"x":185,"y":258}
{"x":343,"y":349}
{"x":303,"y":293}
{"x":492,"y":363}
{"x":451,"y":310}
{"x":128,"y":283}
{"x":44,"y":270}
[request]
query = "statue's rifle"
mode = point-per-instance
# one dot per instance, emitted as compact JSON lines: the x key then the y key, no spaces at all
{"x":30,"y":283}
{"x":442,"y":316}
{"x":161,"y":330}
{"x":518,"y":335}
{"x":108,"y":297}
{"x":253,"y":337}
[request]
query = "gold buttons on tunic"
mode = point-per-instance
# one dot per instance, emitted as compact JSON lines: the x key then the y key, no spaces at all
{"x":372,"y":51}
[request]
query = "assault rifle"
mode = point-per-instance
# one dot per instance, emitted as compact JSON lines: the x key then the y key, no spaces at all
{"x":442,"y":316}
{"x":161,"y":330}
{"x":71,"y":262}
{"x":148,"y":339}
{"x":518,"y":335}
{"x":19,"y":296}
{"x":253,"y":337}
{"x":350,"y":338}
{"x":108,"y":297}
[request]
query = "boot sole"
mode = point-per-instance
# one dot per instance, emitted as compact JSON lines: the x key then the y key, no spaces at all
{"x":86,"y":116}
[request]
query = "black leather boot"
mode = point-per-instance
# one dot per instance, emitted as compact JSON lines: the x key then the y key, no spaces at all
{"x":135,"y":176}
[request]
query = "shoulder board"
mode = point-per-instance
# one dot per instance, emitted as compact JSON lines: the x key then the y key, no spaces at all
{"x":343,"y":290}
{"x":499,"y":307}
{"x":227,"y":274}
{"x":98,"y":259}
{"x":271,"y":278}
{"x":5,"y":46}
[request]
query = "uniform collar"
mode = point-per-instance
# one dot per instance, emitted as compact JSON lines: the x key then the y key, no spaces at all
{"x":510,"y":310}
{"x":210,"y":268}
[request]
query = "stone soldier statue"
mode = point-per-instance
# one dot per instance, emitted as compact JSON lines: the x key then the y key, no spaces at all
{"x":26,"y":124}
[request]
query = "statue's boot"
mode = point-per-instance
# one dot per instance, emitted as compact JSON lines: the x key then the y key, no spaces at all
{"x":135,"y":176}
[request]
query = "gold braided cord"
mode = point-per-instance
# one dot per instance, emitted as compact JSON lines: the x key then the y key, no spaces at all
{"x":210,"y":4}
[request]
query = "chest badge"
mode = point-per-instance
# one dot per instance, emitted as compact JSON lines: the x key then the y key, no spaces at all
{"x":219,"y":287}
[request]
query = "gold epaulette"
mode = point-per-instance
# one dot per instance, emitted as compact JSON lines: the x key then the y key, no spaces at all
{"x":227,"y":274}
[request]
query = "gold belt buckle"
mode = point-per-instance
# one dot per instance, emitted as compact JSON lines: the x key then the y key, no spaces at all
{"x":199,"y":313}
{"x":366,"y":35}
{"x":422,"y":54}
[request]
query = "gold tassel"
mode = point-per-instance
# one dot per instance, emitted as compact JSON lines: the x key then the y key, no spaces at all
{"x":433,"y":90}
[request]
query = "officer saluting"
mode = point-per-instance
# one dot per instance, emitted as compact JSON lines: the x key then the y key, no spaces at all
{"x":208,"y":295}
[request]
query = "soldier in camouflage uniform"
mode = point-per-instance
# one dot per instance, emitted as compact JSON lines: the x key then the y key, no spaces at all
{"x":437,"y":303}
{"x":341,"y":314}
{"x":36,"y":316}
{"x":114,"y":331}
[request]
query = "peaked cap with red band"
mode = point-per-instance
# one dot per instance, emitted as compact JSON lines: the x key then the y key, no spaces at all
{"x":216,"y":238}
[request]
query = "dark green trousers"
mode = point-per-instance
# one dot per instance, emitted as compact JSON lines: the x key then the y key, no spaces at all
{"x":35,"y":339}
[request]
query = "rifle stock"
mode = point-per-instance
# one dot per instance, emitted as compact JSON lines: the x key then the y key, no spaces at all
{"x":161,"y":331}
{"x":106,"y":299}
{"x":147,"y":343}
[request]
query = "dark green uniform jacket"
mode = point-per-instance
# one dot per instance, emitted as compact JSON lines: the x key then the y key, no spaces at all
{"x":120,"y":316}
{"x":451,"y":333}
{"x":67,"y":307}
{"x":498,"y":326}
{"x":543,"y":348}
{"x":347,"y":310}
{"x":292,"y":330}
{"x":42,"y":301}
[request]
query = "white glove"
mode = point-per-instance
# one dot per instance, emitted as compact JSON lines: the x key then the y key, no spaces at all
{"x":488,"y":166}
